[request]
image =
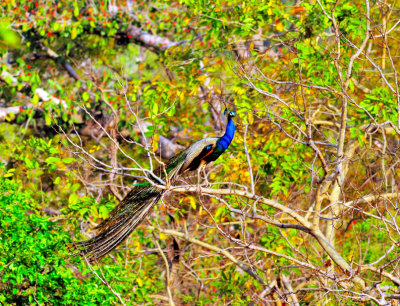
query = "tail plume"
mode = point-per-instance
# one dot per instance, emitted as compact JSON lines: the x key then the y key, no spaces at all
{"x":122,"y":221}
{"x":128,"y":214}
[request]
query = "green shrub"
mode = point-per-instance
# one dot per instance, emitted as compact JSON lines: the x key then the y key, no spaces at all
{"x":33,"y":257}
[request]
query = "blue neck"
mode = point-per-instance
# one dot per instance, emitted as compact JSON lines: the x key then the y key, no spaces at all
{"x":226,"y":140}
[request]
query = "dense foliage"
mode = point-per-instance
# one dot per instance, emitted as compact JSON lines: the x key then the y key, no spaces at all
{"x":34,"y":267}
{"x":302,"y":207}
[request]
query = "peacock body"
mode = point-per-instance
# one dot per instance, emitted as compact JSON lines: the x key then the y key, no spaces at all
{"x":138,"y":202}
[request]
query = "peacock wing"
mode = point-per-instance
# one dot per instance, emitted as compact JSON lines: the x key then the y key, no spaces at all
{"x":197,"y":152}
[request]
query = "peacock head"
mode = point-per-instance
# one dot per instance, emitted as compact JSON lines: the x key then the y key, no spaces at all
{"x":230,"y":113}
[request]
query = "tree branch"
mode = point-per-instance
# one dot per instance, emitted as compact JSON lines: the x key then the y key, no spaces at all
{"x":315,"y":232}
{"x":225,"y":253}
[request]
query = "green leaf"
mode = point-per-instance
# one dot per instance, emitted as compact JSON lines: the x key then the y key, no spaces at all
{"x":52,"y":159}
{"x":73,"y":199}
{"x":76,"y":9}
{"x":55,"y":26}
{"x":47,"y":119}
{"x":74,"y":33}
{"x":35,"y":100}
{"x":85,"y":96}
{"x":75,"y":187}
{"x":8,"y":37}
{"x":68,"y":160}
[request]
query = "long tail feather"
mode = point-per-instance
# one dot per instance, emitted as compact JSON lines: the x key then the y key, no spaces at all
{"x":122,"y":221}
{"x":128,"y":214}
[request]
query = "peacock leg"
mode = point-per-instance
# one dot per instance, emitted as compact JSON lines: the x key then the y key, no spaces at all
{"x":198,"y":179}
{"x":205,"y":175}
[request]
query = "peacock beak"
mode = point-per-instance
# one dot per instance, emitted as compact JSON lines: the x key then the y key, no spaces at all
{"x":230,"y":113}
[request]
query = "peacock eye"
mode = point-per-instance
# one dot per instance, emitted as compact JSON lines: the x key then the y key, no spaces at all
{"x":208,"y":147}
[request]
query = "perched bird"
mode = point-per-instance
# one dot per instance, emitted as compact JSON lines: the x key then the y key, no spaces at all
{"x":139,"y":201}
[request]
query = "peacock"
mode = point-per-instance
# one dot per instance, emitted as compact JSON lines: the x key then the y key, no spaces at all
{"x":138,"y":202}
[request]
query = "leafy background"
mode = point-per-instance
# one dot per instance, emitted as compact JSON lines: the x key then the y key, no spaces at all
{"x":172,"y":85}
